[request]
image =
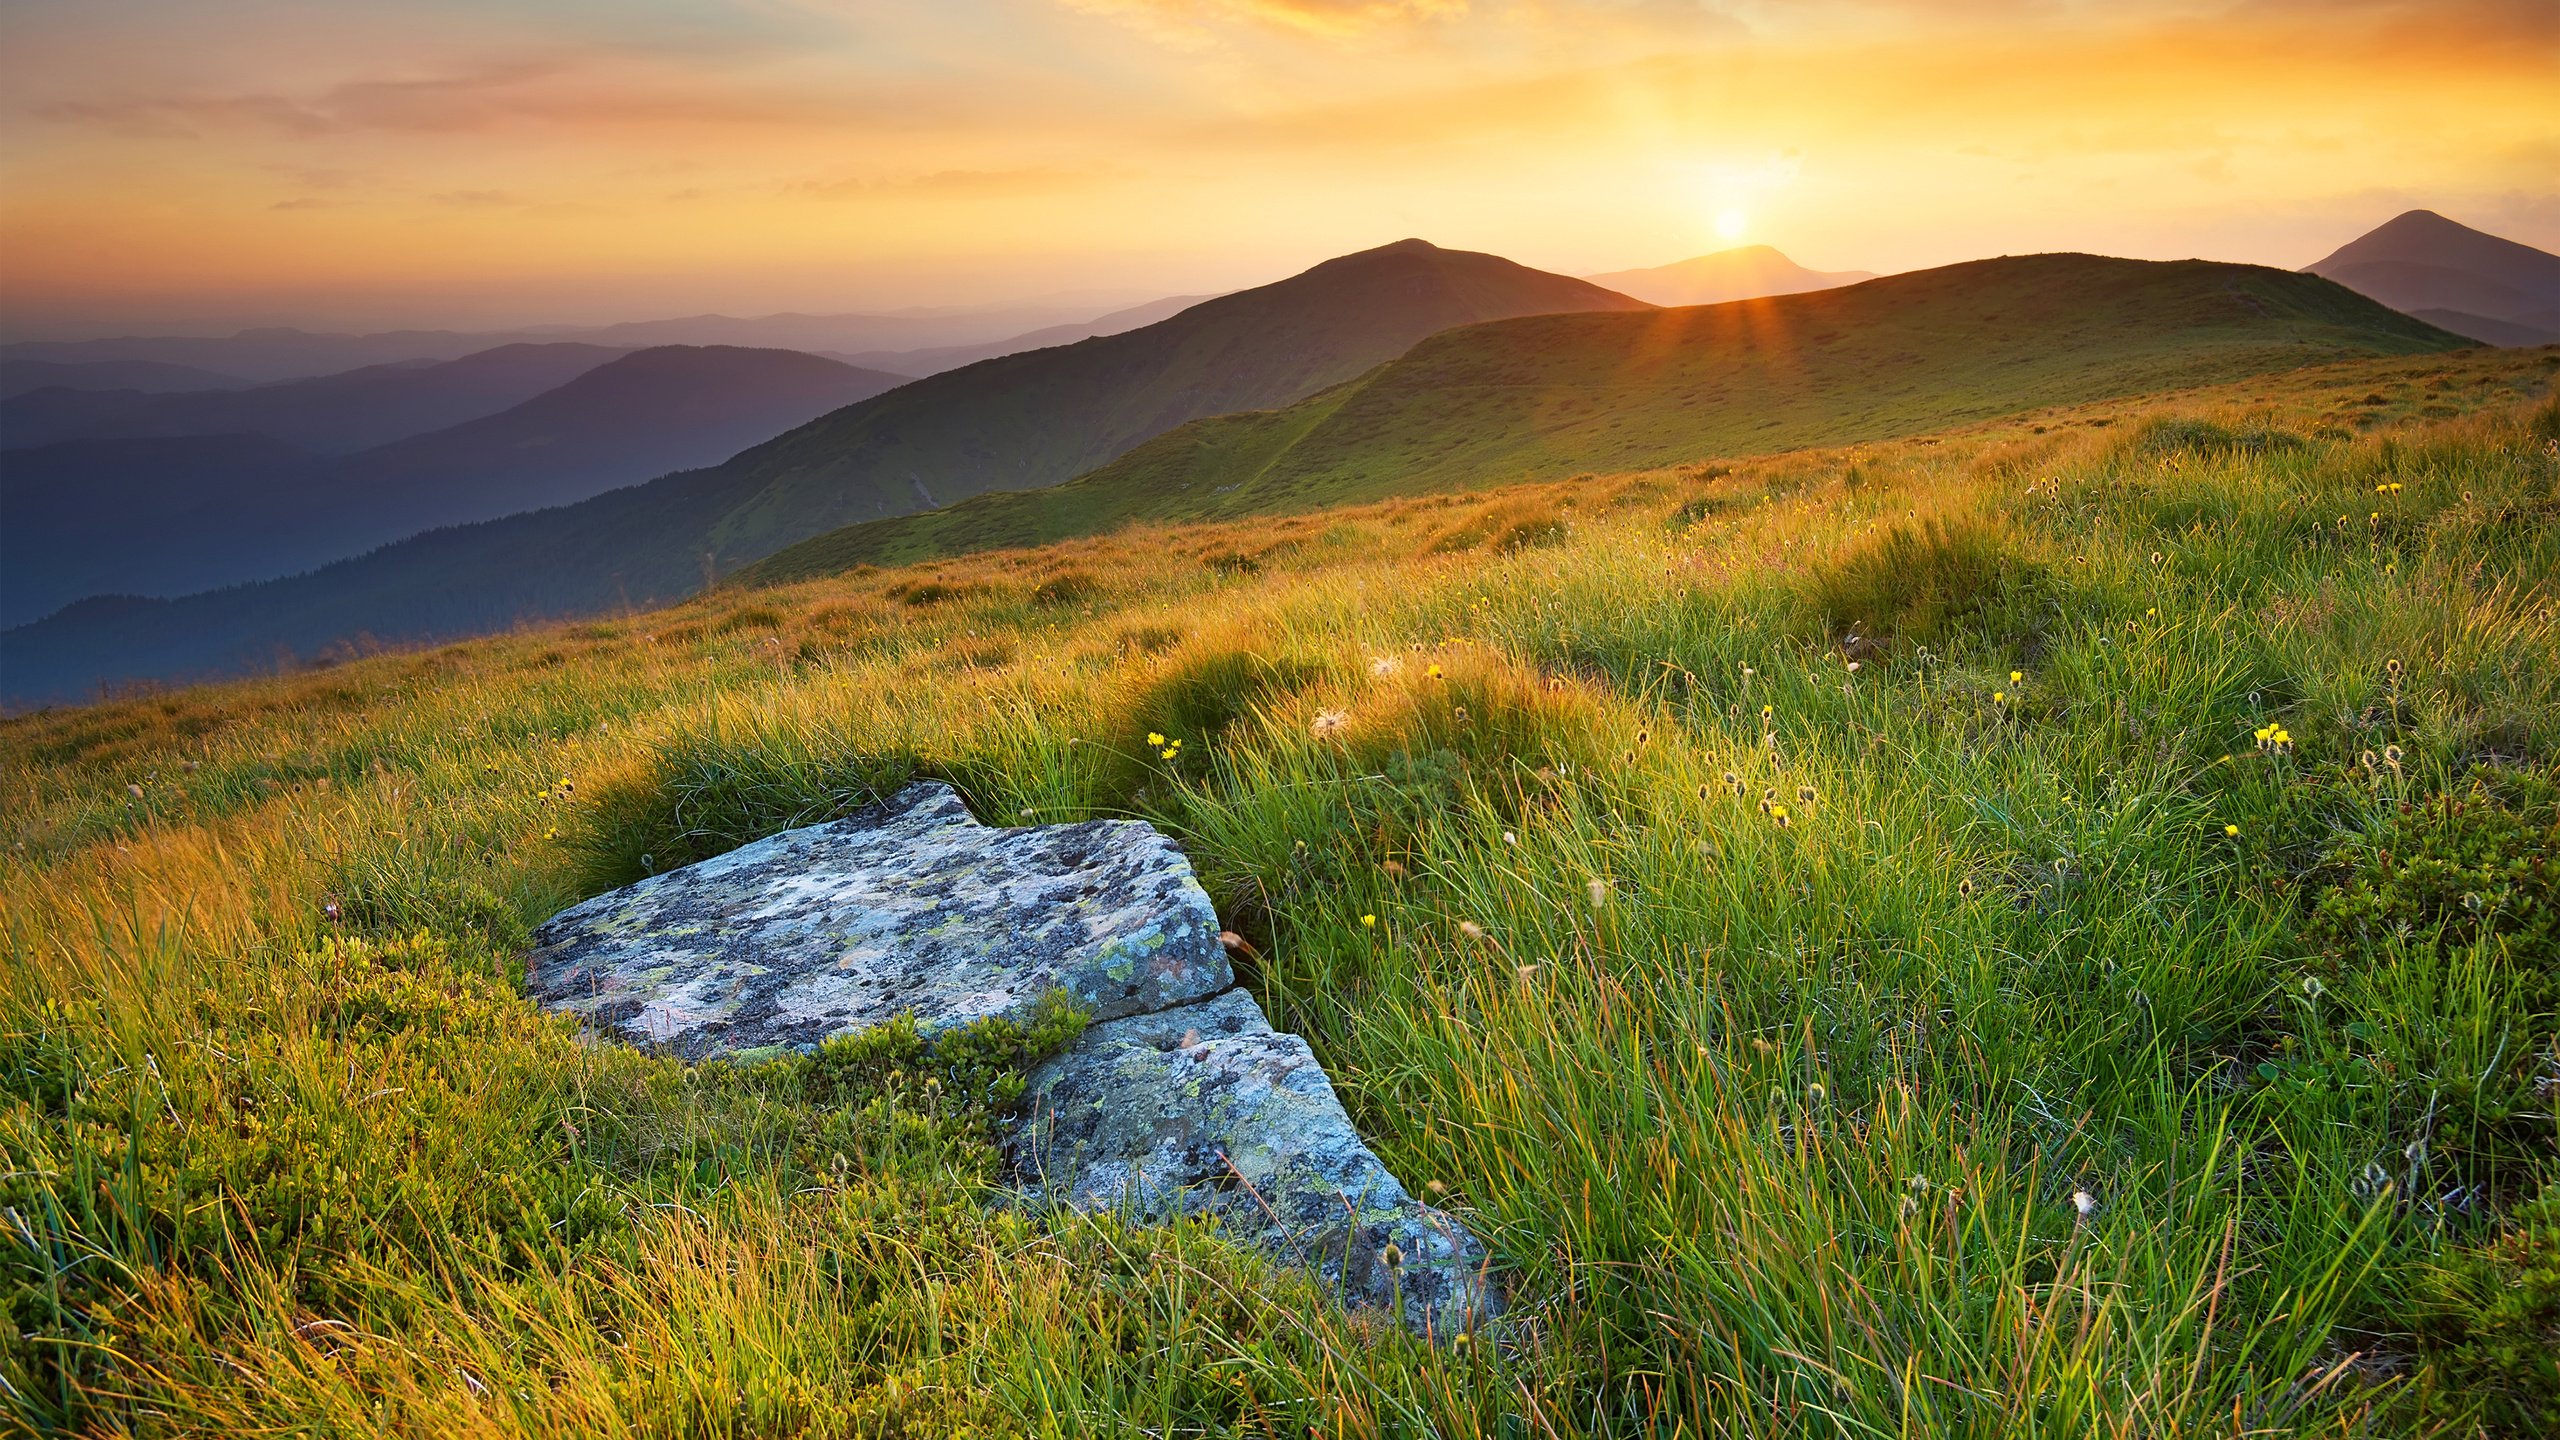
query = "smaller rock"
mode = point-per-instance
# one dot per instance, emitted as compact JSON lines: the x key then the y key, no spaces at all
{"x":1205,"y":1109}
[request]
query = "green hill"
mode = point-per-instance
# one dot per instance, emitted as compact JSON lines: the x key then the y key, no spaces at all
{"x":1023,"y":421}
{"x":1548,"y":396}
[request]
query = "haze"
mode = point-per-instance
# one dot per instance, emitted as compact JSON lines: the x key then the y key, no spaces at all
{"x":181,"y":165}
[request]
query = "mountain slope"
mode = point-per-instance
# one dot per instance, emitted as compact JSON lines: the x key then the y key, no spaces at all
{"x":17,"y":377}
{"x":284,"y":353}
{"x":333,"y":414}
{"x":1554,"y":395}
{"x":1746,"y":273}
{"x":2462,"y":279}
{"x":937,"y":359}
{"x":1021,"y":419}
{"x":672,"y":407}
{"x":1035,"y":419}
{"x":179,"y":512}
{"x":171,"y":516}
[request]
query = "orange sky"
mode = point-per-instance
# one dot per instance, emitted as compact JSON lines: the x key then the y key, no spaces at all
{"x":201,"y":163}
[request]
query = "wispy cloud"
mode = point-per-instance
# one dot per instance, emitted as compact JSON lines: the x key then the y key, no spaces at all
{"x":1322,"y":17}
{"x":787,"y":146}
{"x":1028,"y":180}
{"x":550,"y":92}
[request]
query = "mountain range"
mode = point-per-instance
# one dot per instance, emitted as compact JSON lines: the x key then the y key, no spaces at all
{"x":171,"y":515}
{"x":2448,"y":274}
{"x":329,"y":414}
{"x":1025,"y":419}
{"x":1550,"y":396}
{"x":1747,"y":273}
{"x":285,"y":353}
{"x":1405,"y":368}
{"x":17,"y":377}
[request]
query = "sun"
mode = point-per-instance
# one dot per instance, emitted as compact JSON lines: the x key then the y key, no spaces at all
{"x":1732,"y":221}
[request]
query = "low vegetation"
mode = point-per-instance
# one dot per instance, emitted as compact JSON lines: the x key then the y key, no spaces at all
{"x":2042,"y":928}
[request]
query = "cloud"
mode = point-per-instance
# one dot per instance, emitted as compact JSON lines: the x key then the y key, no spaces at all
{"x":480,"y":200}
{"x":1185,"y":18}
{"x":1028,"y":180}
{"x":560,"y":92}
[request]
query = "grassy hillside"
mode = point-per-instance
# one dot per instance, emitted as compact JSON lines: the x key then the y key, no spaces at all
{"x":1023,"y":421}
{"x":1554,"y":395}
{"x":2113,"y":994}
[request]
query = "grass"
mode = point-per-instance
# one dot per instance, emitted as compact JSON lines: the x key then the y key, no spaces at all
{"x":1989,"y":1027}
{"x":1548,"y":396}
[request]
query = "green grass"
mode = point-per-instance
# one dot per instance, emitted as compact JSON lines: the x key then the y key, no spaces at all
{"x":1765,"y":1014}
{"x":1552,"y":395}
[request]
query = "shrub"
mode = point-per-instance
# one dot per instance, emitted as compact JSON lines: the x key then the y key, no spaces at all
{"x":1919,"y":582}
{"x":1484,"y":726}
{"x":751,"y":617}
{"x":2490,"y":1316}
{"x":1699,"y":510}
{"x":921,"y":593}
{"x":1201,"y":690}
{"x":700,"y":795}
{"x":1067,"y":587}
{"x":1530,"y":534}
{"x":1505,"y":527}
{"x":2453,"y":871}
{"x":2186,"y":435}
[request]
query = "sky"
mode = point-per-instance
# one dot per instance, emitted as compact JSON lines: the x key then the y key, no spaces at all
{"x":190,"y":166}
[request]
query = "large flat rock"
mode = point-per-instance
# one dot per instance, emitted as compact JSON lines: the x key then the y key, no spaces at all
{"x":912,"y":907}
{"x":1205,"y":1109}
{"x":1179,"y":1099}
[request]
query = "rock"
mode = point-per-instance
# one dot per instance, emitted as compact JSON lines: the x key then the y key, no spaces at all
{"x":1180,"y":1099}
{"x":1205,"y":1109}
{"x":912,"y":906}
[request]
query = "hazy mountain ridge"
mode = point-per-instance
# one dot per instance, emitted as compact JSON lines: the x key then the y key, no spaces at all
{"x":19,"y":376}
{"x":1747,"y":272}
{"x":2464,"y":280}
{"x":273,"y":353}
{"x":171,"y":516}
{"x":332,"y":414}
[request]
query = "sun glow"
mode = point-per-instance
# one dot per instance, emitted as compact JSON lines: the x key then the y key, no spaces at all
{"x":1731,"y":222}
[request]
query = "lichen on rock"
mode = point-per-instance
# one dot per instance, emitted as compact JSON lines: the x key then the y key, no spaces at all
{"x":911,"y":907}
{"x":1205,"y":1109}
{"x":1179,"y":1100}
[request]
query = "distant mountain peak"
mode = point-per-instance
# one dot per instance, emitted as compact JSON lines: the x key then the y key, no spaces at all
{"x":1745,"y":272}
{"x":2453,"y":276}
